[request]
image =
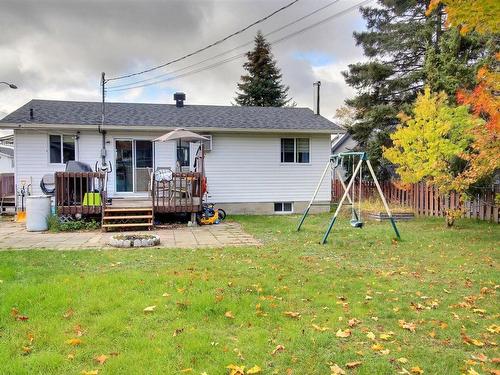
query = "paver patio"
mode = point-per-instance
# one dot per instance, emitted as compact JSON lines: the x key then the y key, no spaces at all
{"x":14,"y":236}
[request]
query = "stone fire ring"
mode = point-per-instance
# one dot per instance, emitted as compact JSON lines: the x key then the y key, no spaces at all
{"x":134,"y":240}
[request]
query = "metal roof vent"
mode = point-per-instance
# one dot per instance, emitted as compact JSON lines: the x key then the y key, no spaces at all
{"x":179,"y":98}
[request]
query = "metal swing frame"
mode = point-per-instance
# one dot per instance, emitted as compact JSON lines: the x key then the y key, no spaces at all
{"x":333,"y":163}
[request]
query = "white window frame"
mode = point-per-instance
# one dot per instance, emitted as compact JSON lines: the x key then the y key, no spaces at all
{"x":295,"y":162}
{"x":282,"y":212}
{"x":62,"y":147}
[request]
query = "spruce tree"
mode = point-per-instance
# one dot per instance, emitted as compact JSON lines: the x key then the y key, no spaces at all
{"x":262,"y":85}
{"x":406,"y":49}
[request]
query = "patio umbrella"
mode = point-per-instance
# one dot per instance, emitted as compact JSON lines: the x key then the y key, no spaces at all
{"x":179,"y":135}
{"x":182,"y":134}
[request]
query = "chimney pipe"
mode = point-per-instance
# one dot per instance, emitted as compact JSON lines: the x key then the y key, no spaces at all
{"x":179,"y":98}
{"x":316,"y":86}
{"x":32,"y":116}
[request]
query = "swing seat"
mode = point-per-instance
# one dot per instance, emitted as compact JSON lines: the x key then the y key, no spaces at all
{"x":356,"y":223}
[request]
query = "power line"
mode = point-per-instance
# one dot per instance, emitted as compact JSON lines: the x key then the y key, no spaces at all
{"x":206,"y":47}
{"x":235,"y":57}
{"x":229,"y":50}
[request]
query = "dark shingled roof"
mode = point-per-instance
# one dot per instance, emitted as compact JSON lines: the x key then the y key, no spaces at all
{"x":168,"y":115}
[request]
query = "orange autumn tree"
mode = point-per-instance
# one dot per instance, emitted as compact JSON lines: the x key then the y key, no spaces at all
{"x":484,"y":102}
{"x":479,"y":15}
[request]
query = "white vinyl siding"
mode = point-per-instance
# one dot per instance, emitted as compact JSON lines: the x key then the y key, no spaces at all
{"x":242,"y":167}
{"x":247,"y":168}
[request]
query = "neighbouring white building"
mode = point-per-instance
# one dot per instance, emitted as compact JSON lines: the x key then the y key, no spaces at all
{"x":258,"y":160}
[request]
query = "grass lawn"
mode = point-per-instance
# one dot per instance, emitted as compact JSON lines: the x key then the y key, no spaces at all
{"x":427,"y":303}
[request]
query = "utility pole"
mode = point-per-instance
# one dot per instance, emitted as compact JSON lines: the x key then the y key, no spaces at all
{"x":101,"y":127}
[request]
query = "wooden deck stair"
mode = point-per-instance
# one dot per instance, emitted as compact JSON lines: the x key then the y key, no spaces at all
{"x":7,"y":201}
{"x":136,"y":215}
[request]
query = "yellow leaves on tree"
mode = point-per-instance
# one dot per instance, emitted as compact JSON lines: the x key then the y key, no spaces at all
{"x":427,"y":144}
{"x":478,"y":15}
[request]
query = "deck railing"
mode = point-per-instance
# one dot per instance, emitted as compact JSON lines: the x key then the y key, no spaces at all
{"x":181,"y":194}
{"x":7,"y":185}
{"x":79,"y":192}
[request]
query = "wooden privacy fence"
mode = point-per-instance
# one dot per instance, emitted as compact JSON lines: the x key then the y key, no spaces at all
{"x":7,"y":185}
{"x":425,"y":199}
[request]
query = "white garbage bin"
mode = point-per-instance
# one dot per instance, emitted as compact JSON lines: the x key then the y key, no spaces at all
{"x":37,"y":212}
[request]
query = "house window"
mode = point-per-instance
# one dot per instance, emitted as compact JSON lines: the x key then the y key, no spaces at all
{"x":295,"y":150}
{"x":62,"y":148}
{"x":283,"y":207}
{"x":183,"y":153}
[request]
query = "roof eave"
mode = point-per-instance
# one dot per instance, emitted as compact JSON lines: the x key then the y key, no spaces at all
{"x":164,"y":128}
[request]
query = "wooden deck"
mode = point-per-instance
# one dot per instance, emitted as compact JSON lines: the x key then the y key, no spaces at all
{"x":80,"y":193}
{"x":181,"y":194}
{"x":83,"y":193}
{"x":7,"y":191}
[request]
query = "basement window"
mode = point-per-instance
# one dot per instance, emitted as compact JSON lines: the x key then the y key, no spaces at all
{"x":283,"y":207}
{"x":62,"y":148}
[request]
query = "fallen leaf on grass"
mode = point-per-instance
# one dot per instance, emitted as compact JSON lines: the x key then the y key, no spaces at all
{"x":402,"y":360}
{"x":493,"y":328}
{"x":319,"y":328}
{"x":292,"y":314}
{"x":480,"y":357}
{"x":91,"y":372}
{"x":467,"y":340}
{"x":236,"y":370}
{"x":78,"y":330}
{"x":386,"y":336}
{"x":185,"y":370}
{"x":26,"y":350}
{"x":407,"y":325}
{"x":68,"y":313}
{"x":177,"y":332}
{"x":74,"y":341}
{"x":279,"y":348}
{"x":149,"y":309}
{"x":229,"y":315}
{"x":370,"y":335}
{"x":353,"y":322}
{"x":343,"y":334}
{"x":254,"y":370}
{"x":416,"y":370}
{"x":354,"y":364}
{"x":377,"y":347}
{"x":101,"y":359}
{"x":471,"y":371}
{"x":336,"y":370}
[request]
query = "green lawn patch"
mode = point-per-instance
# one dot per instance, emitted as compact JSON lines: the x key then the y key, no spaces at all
{"x":428,"y":302}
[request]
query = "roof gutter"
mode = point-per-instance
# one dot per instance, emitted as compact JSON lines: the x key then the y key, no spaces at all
{"x":159,"y":128}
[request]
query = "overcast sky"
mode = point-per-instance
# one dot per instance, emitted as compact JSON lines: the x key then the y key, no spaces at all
{"x":56,"y":49}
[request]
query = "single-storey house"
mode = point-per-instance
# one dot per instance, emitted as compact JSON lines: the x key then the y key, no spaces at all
{"x":258,"y":159}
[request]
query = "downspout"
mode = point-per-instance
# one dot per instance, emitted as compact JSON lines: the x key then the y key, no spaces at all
{"x":101,"y":127}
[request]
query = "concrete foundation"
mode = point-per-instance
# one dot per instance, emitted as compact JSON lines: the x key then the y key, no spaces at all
{"x":267,"y":208}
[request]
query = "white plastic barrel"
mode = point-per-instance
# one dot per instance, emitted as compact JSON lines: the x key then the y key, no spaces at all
{"x":37,"y":212}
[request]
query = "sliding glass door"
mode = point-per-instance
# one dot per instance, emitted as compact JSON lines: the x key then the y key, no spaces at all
{"x":143,"y":164}
{"x":134,"y":162}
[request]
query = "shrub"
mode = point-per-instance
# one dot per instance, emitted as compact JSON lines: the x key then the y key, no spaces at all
{"x":56,"y":225}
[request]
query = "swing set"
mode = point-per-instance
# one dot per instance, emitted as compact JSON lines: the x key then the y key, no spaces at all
{"x":349,"y":191}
